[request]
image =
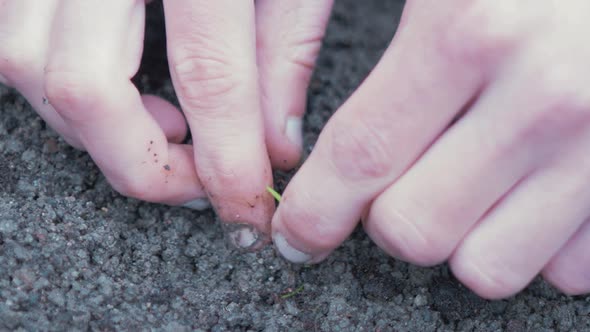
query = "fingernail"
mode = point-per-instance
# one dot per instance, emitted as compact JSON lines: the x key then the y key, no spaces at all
{"x":3,"y":80}
{"x":293,"y":130}
{"x":288,"y":252}
{"x":242,"y":236}
{"x":198,"y":204}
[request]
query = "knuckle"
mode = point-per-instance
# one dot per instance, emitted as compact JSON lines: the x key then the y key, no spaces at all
{"x":222,"y":173}
{"x":557,"y":90}
{"x":298,"y":42}
{"x":488,"y":280}
{"x":480,"y":31}
{"x":571,"y":279}
{"x":206,"y":81}
{"x":71,"y":91}
{"x":360,"y":152}
{"x":17,"y":59}
{"x":135,"y":187}
{"x":570,"y":287}
{"x":300,"y":49}
{"x":303,"y":47}
{"x":561,"y":106}
{"x":303,"y":55}
{"x":302,"y":220}
{"x":573,"y":289}
{"x":403,"y":238}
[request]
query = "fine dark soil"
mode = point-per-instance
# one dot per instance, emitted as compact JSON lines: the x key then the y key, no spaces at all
{"x":75,"y":255}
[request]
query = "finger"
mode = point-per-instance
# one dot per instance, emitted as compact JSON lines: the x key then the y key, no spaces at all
{"x":289,"y":36}
{"x":24,"y":33}
{"x":88,"y":82}
{"x":511,"y":245}
{"x":423,"y":216}
{"x":372,"y":139}
{"x":569,"y":270}
{"x":24,"y":40}
{"x":168,"y":118}
{"x":211,"y":47}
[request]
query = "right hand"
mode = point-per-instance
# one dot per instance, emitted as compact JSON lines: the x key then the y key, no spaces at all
{"x":467,"y":143}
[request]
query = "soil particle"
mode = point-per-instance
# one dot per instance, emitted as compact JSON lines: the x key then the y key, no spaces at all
{"x":75,"y":255}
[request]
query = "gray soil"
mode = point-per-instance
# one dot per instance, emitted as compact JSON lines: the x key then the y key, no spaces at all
{"x":76,"y":255}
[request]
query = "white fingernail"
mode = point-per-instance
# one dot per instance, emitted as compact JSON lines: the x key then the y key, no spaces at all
{"x":293,"y":130}
{"x":198,"y":204}
{"x":288,"y":252}
{"x":3,"y":80}
{"x":242,"y":236}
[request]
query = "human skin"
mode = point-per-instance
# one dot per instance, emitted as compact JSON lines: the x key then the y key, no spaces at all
{"x":468,"y":143}
{"x":240,"y":69}
{"x":501,"y":194}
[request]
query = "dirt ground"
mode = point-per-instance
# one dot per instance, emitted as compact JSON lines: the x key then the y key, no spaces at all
{"x":75,"y":255}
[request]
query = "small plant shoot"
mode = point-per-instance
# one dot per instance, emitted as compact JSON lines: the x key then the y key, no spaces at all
{"x":292,"y":293}
{"x":274,"y":193}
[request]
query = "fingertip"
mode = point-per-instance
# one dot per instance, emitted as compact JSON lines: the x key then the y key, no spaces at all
{"x":487,"y":281}
{"x":565,"y":284}
{"x":286,"y":245}
{"x":245,"y":217}
{"x":245,"y":237}
{"x":284,"y":159}
{"x":288,"y":251}
{"x":198,"y":204}
{"x":169,"y":118}
{"x":285,"y":147}
{"x":301,"y":238}
{"x":294,"y":131}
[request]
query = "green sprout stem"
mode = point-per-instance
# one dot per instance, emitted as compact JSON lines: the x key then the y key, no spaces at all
{"x":274,"y":193}
{"x":292,"y":293}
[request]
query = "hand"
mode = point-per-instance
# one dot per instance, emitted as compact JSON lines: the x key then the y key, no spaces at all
{"x":73,"y":61}
{"x":241,"y":70}
{"x":241,"y":73}
{"x":468,"y":143}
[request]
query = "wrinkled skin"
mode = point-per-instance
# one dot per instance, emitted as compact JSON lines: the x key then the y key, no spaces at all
{"x":467,"y":143}
{"x":240,"y":69}
{"x":503,"y":193}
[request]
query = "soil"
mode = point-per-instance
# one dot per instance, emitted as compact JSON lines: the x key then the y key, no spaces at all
{"x":75,"y":255}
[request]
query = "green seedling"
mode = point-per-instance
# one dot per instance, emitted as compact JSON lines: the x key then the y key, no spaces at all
{"x":274,"y":193}
{"x":292,"y":293}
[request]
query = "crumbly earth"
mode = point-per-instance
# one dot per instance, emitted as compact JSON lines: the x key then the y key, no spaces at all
{"x":76,"y":255}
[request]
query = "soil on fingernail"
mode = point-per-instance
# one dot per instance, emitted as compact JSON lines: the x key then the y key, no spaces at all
{"x":75,"y":255}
